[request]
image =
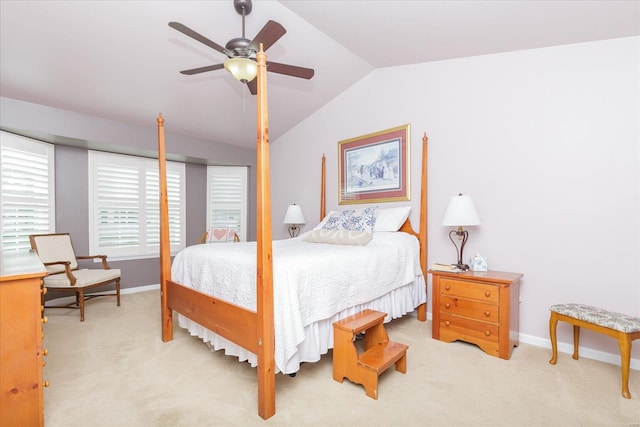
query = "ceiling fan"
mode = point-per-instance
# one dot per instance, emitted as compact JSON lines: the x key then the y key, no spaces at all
{"x":241,"y":52}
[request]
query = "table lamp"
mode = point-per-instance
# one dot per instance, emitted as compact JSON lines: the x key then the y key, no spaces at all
{"x":460,"y":213}
{"x":294,"y":217}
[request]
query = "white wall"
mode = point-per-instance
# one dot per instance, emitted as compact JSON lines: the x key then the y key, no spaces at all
{"x":546,"y":143}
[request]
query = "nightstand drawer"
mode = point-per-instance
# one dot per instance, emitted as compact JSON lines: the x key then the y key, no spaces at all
{"x":466,"y":328}
{"x":468,"y":289}
{"x":469,"y":308}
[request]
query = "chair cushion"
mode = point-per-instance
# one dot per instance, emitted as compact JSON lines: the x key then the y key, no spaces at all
{"x":598,"y":316}
{"x":56,"y":247}
{"x":85,"y":277}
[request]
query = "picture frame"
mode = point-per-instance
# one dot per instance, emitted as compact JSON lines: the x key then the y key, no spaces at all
{"x":374,"y":168}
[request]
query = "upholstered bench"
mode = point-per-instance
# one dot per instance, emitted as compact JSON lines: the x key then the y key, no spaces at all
{"x":620,"y":326}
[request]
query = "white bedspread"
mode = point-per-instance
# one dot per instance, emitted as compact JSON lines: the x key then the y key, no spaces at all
{"x":312,"y":281}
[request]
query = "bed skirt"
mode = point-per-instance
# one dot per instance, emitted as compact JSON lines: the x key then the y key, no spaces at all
{"x":319,"y":335}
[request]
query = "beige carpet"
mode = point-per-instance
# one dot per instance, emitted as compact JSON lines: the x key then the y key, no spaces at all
{"x":114,"y":370}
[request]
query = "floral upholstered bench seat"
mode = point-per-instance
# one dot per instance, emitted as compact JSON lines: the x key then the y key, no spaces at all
{"x":623,"y":327}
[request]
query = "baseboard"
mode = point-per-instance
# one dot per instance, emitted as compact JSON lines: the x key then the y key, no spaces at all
{"x":567,"y":348}
{"x":585,"y":352}
{"x":69,"y":300}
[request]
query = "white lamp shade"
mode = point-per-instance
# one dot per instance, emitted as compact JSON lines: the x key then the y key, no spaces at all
{"x":461,"y":212}
{"x":294,"y":215}
{"x":243,"y":69}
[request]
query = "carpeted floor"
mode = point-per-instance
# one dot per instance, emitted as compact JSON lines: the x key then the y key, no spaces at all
{"x":114,"y":370}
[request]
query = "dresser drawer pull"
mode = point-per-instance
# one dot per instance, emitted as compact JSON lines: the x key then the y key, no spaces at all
{"x":46,"y":384}
{"x":487,"y":333}
{"x":487,"y":313}
{"x":45,"y":319}
{"x":487,"y":294}
{"x":446,"y":323}
{"x":45,"y":352}
{"x":447,"y":287}
{"x":447,"y":305}
{"x":44,"y":291}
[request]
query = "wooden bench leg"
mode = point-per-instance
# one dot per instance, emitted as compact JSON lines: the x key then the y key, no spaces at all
{"x":553,"y":324}
{"x":624,"y":342}
{"x":576,"y":341}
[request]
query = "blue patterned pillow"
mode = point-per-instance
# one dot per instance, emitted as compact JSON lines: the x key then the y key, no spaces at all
{"x":353,"y":220}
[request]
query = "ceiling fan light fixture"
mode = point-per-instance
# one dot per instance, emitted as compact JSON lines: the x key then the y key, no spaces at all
{"x":243,"y":69}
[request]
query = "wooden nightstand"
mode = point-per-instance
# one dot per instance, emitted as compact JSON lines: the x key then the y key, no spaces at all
{"x":477,"y":307}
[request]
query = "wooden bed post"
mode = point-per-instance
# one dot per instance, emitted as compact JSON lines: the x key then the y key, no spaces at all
{"x":424,"y":203}
{"x":165,"y":247}
{"x":264,"y":273}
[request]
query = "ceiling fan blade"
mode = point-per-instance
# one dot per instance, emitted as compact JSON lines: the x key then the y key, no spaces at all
{"x":253,"y":86}
{"x":290,"y":70}
{"x":202,"y":69}
{"x":199,"y":37}
{"x":268,"y":35}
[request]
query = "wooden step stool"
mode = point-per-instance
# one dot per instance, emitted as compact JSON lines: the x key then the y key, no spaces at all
{"x":379,"y":354}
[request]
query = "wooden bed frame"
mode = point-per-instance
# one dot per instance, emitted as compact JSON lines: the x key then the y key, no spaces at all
{"x":252,"y":330}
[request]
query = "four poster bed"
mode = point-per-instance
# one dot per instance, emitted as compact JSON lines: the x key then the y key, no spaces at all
{"x":225,"y":293}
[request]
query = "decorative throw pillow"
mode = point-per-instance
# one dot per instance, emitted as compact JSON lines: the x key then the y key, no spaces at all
{"x":325,"y":219}
{"x":338,"y":237}
{"x":353,"y":220}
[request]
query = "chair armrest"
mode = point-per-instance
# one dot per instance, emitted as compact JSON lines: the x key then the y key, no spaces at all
{"x":203,"y":238}
{"x":102,"y":257}
{"x":67,"y":270}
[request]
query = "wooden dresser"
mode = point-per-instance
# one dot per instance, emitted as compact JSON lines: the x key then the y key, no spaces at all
{"x":477,"y":307}
{"x":21,"y":362}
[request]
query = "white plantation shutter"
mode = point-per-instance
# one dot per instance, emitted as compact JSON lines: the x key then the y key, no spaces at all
{"x":227,"y":198}
{"x":27,"y":191}
{"x":124,"y":205}
{"x":175,"y":184}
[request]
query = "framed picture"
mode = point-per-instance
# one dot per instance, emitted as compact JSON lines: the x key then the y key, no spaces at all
{"x":375,"y":167}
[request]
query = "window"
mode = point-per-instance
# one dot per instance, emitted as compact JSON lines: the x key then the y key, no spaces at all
{"x":27,"y":190}
{"x":227,"y":198}
{"x":124,"y":204}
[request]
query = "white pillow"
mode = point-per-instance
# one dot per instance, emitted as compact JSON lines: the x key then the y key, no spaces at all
{"x":324,"y":220}
{"x":391,"y":219}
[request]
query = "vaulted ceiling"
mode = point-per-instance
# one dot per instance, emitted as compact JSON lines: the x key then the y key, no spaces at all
{"x":120,"y":60}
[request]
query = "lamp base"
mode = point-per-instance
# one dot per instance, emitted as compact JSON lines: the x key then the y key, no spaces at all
{"x":463,"y":267}
{"x":294,"y":230}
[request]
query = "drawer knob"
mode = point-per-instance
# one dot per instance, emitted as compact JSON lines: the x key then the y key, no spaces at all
{"x":487,"y":294}
{"x":46,"y":384}
{"x":44,"y":291}
{"x":487,"y":333}
{"x":45,"y":352}
{"x":447,"y":305}
{"x":44,"y":363}
{"x":487,"y":313}
{"x":45,"y":319}
{"x":447,"y":287}
{"x":446,"y":323}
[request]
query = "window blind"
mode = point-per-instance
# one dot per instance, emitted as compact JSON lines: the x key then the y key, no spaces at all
{"x":227,"y":198}
{"x":27,"y":190}
{"x":125,"y":203}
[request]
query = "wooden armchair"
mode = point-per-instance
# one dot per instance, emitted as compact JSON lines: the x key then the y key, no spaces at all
{"x":57,"y":254}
